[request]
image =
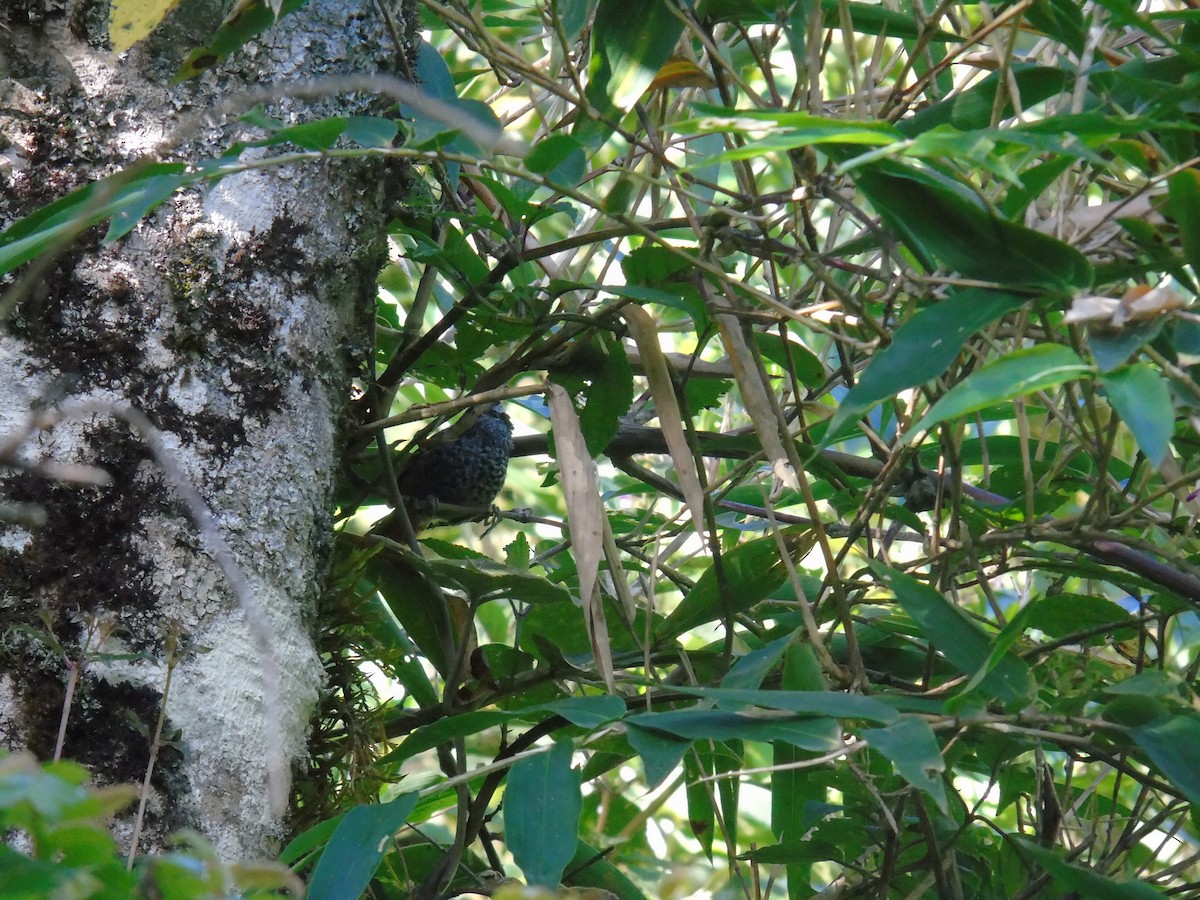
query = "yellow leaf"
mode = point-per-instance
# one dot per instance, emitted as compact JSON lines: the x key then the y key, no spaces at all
{"x":131,"y":20}
{"x":680,"y":72}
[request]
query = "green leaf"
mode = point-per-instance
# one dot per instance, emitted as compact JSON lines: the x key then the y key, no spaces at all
{"x":1111,"y":350}
{"x":959,"y":639}
{"x":356,"y":848}
{"x":660,"y":752}
{"x":584,"y":712}
{"x":911,"y":747}
{"x":865,"y":18}
{"x":630,"y":42}
{"x":1087,"y":882}
{"x":486,"y":579}
{"x":819,"y":735}
{"x":1059,"y":615}
{"x":542,"y":802}
{"x":1142,"y":399}
{"x":413,"y":603}
{"x":922,"y":349}
{"x":749,"y":670}
{"x":126,"y":196}
{"x":318,"y":135}
{"x":701,"y":812}
{"x":1061,"y":20}
{"x":795,"y":790}
{"x":776,"y":132}
{"x":973,"y":108}
{"x":602,"y":375}
{"x":245,"y":22}
{"x":559,"y":158}
{"x":812,"y":703}
{"x":1183,"y":193}
{"x":752,"y":571}
{"x":1173,"y":745}
{"x":1021,"y":372}
{"x":372,"y":131}
{"x":942,"y":223}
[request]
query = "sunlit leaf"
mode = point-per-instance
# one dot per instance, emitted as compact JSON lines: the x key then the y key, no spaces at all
{"x":1015,"y":375}
{"x":131,"y":20}
{"x":630,"y":43}
{"x":751,"y":570}
{"x":922,"y":349}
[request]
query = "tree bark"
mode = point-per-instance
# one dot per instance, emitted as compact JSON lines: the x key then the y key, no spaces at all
{"x":234,"y":320}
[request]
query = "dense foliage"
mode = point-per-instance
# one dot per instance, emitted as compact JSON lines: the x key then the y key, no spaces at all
{"x":877,"y":321}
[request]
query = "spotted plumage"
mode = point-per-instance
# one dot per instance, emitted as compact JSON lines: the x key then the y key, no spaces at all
{"x":466,"y":471}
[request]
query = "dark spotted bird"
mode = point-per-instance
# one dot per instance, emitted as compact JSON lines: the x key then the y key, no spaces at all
{"x":468,"y":470}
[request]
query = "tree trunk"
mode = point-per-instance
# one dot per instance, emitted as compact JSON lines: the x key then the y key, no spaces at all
{"x":233,"y":320}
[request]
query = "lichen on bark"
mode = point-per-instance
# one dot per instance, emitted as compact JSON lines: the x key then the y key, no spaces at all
{"x":234,"y":320}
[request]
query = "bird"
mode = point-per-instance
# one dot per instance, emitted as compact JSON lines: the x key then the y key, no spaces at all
{"x":468,"y":470}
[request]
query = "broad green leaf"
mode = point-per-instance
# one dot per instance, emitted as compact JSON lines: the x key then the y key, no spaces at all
{"x":1184,"y":202}
{"x":126,"y":197}
{"x":1087,"y":882}
{"x":660,"y":752}
{"x":413,"y":603}
{"x":371,"y":131}
{"x":922,"y":349}
{"x":1061,"y":20}
{"x":749,"y":670}
{"x":791,"y":356}
{"x":1060,"y":615}
{"x":774,"y":132}
{"x":141,"y":200}
{"x":542,"y":803}
{"x":1111,"y":350}
{"x":911,"y":747}
{"x":1173,"y":745}
{"x":954,"y":230}
{"x":1142,"y":399}
{"x":317,"y":135}
{"x":1022,"y":372}
{"x":794,"y":791}
{"x":444,"y":730}
{"x":560,"y":158}
{"x":752,"y":570}
{"x":630,"y":42}
{"x":959,"y":639}
{"x":865,"y":18}
{"x":485,"y":579}
{"x":601,"y":374}
{"x":973,"y":108}
{"x":303,"y":844}
{"x":585,"y":712}
{"x":247,"y":20}
{"x":356,"y":848}
{"x":819,"y":735}
{"x":813,"y":703}
{"x":701,"y":811}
